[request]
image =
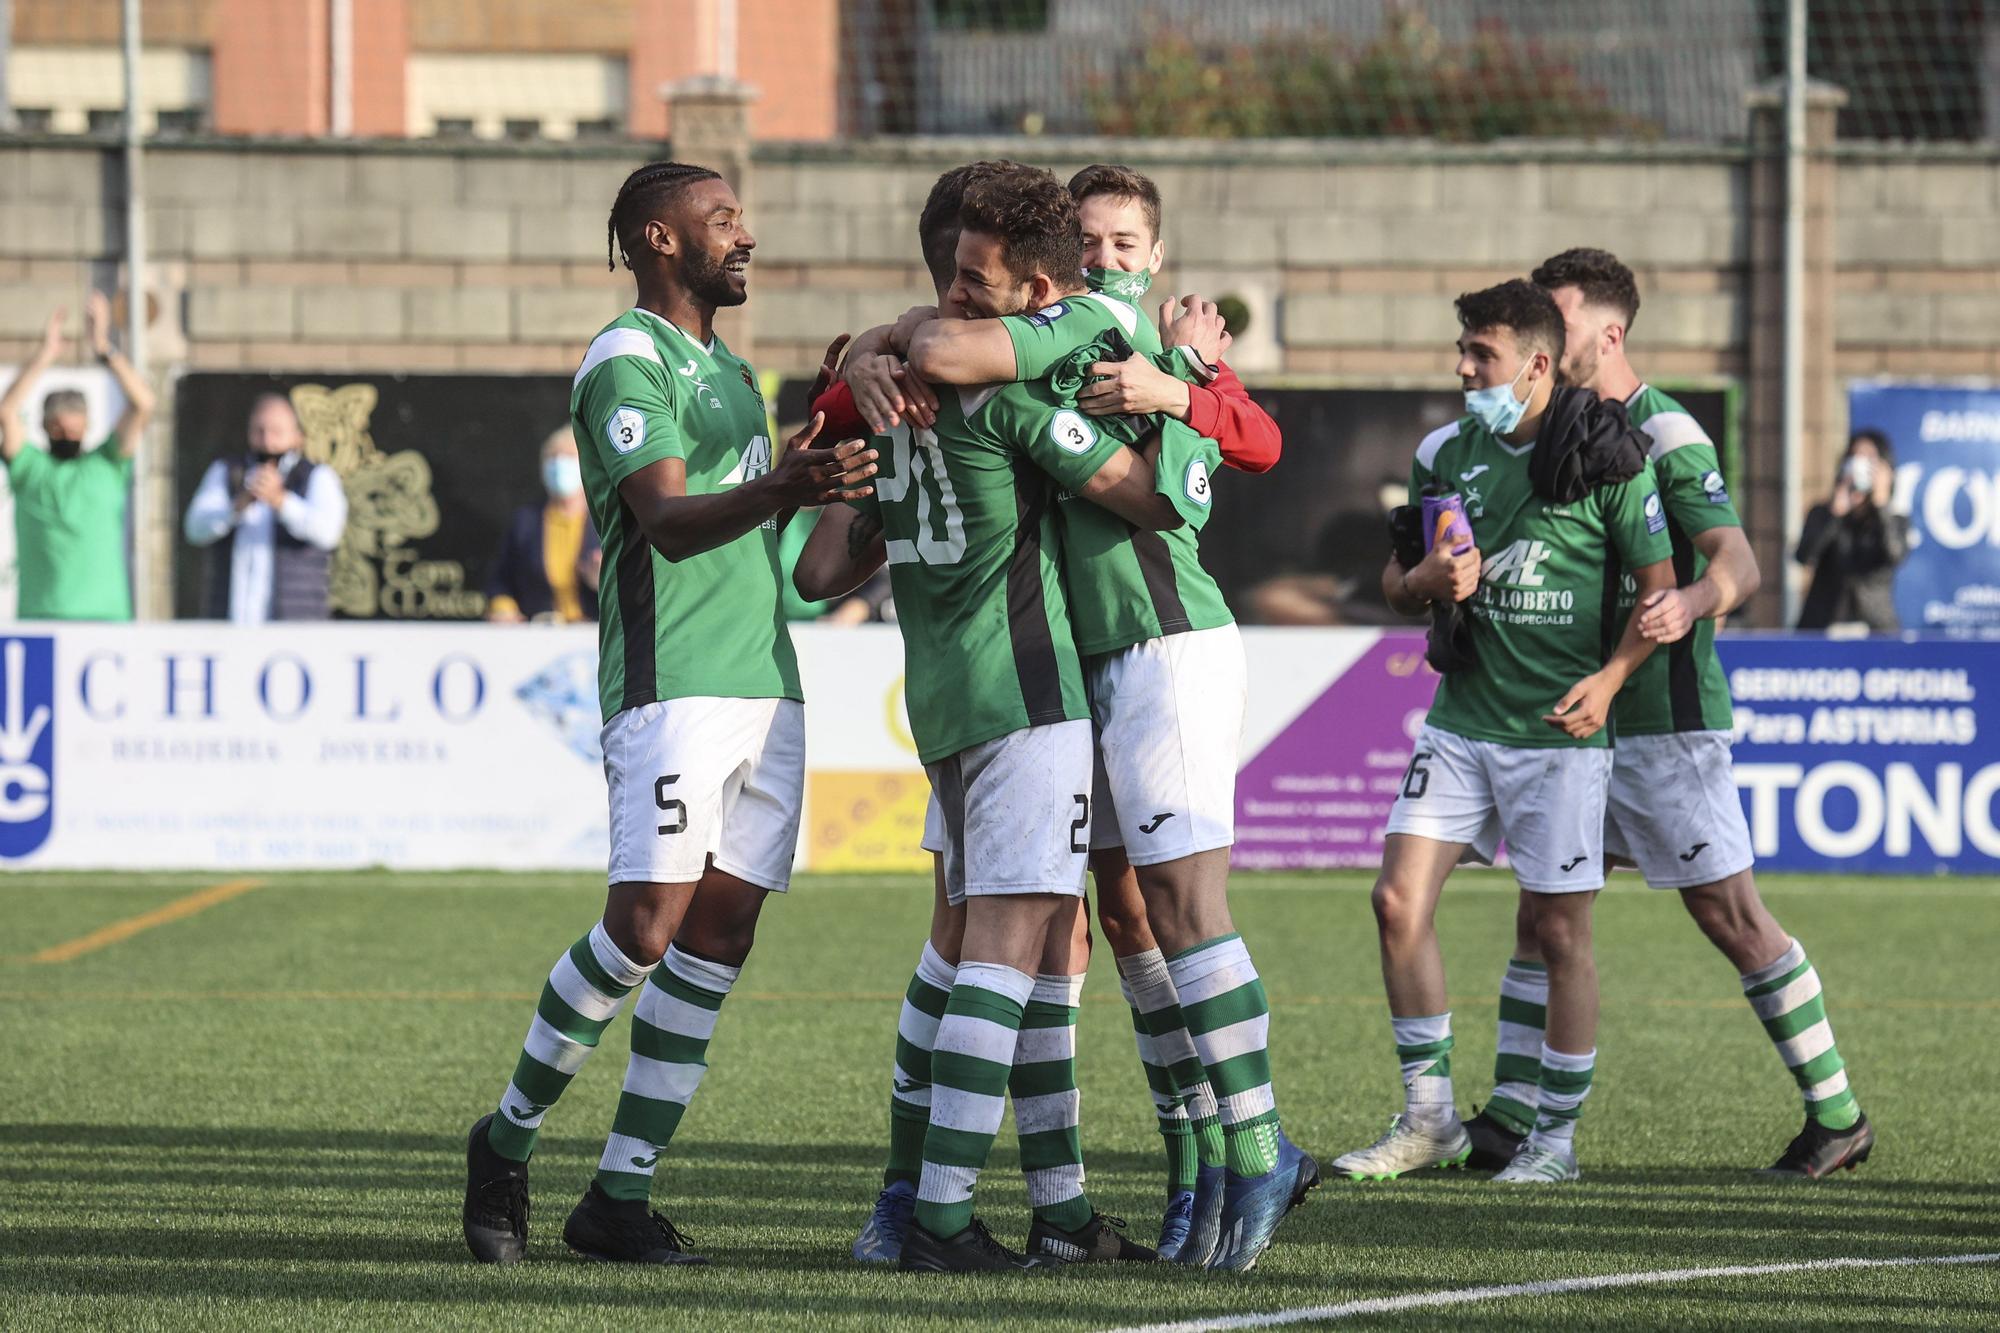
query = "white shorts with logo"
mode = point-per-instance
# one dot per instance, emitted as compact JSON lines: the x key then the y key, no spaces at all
{"x":1547,"y":803}
{"x":1014,"y":813}
{"x":697,"y":778}
{"x":1169,"y":716}
{"x":1673,"y":809}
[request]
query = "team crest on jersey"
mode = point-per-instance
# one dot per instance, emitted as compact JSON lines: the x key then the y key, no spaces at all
{"x":1048,"y":315}
{"x":1714,"y":487}
{"x":1656,"y":514}
{"x":1069,"y":430}
{"x":626,"y":430}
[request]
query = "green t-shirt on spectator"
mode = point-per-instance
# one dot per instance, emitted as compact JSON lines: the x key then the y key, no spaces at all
{"x":69,"y":534}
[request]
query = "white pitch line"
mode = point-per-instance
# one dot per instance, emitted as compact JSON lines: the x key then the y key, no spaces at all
{"x":1553,"y":1287}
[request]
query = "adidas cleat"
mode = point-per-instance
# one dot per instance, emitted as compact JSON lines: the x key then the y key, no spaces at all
{"x":1538,"y":1165}
{"x":1177,"y":1225}
{"x":496,"y":1201}
{"x":1493,"y":1143}
{"x":624,"y":1231}
{"x":1099,"y":1241}
{"x":881,"y":1239}
{"x":1252,"y":1207}
{"x":1818,"y":1152}
{"x":1410,"y":1145}
{"x":1205,"y":1217}
{"x":972,"y":1250}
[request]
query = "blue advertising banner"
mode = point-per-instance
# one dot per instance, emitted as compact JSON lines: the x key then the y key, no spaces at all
{"x":1877,"y":755}
{"x":1947,"y":443}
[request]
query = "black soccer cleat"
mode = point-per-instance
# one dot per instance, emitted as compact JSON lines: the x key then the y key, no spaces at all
{"x":624,"y":1231}
{"x":1101,"y":1240}
{"x":1305,"y":1181}
{"x":1818,"y":1151}
{"x":496,"y":1201}
{"x":1493,"y":1143}
{"x":972,"y":1250}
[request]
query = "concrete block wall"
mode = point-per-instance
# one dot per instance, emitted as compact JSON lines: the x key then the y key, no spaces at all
{"x":340,"y":258}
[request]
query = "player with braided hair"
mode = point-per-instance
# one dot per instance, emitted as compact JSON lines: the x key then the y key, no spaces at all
{"x":704,"y":735}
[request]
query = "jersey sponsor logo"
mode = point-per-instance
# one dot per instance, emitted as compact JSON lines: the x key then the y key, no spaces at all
{"x":1518,"y":564}
{"x":27,"y":743}
{"x":753,"y":463}
{"x":1656,"y":514}
{"x":1196,"y":484}
{"x":1071,"y":432}
{"x":1713,"y":486}
{"x":1048,"y":315}
{"x":626,"y":430}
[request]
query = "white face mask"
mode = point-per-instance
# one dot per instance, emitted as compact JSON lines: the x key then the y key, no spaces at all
{"x":1497,"y":408}
{"x":562,"y":475}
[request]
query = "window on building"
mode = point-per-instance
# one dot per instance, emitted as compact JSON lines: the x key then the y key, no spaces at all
{"x":991,"y":15}
{"x":606,"y":128}
{"x":523,"y":130}
{"x":180,"y":120}
{"x":454,"y":127}
{"x":34,"y":119}
{"x":107,"y":120}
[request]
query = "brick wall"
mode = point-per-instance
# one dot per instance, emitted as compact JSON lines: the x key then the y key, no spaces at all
{"x":485,"y":259}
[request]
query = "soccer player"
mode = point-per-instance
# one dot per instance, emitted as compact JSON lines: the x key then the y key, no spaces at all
{"x":1514,"y":745}
{"x":704,"y":732}
{"x":1166,"y":676}
{"x":995,"y":692}
{"x":1673,"y":807}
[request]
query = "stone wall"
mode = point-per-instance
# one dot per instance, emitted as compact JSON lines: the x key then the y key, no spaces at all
{"x":407,"y":258}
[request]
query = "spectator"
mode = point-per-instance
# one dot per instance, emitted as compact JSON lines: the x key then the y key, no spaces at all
{"x":1853,"y":542}
{"x":271,"y":519}
{"x":69,"y":502}
{"x":549,"y":561}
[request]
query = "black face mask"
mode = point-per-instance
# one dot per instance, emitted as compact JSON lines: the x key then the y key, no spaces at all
{"x":65,"y":450}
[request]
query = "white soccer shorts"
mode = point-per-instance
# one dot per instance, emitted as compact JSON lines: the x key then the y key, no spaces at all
{"x":1169,"y":716}
{"x":697,"y":778}
{"x":1673,"y":809}
{"x":1547,"y":803}
{"x":1014,"y":813}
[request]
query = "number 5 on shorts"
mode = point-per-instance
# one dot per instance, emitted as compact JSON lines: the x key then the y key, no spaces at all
{"x":671,"y":806}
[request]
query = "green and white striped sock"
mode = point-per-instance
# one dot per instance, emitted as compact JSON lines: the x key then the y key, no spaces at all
{"x":1149,"y":989}
{"x":1559,"y":1094}
{"x":1786,"y":996}
{"x":916,"y":1036}
{"x":581,"y":996}
{"x":1423,"y":1048}
{"x":1229,"y":1019}
{"x":969,"y":1072}
{"x":1047,"y":1105}
{"x":1517,"y":1065}
{"x":671,"y":1026}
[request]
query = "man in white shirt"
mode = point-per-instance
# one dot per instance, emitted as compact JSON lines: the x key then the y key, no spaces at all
{"x":272,"y":520}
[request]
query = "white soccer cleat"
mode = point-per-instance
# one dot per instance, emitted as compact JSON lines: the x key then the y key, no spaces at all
{"x":1410,"y":1145}
{"x":1536,"y":1165}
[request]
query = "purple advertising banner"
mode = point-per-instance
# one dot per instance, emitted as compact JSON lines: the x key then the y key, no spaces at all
{"x":1317,"y":797}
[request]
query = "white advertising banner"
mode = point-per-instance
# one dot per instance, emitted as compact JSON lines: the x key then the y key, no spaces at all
{"x":193,"y":745}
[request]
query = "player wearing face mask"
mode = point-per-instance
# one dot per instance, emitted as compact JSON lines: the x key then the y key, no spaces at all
{"x":548,"y":563}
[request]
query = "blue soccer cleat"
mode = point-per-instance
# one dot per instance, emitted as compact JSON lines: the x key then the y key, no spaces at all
{"x":1205,"y":1217}
{"x":881,"y":1239}
{"x":1253,"y":1206}
{"x":1176,"y":1225}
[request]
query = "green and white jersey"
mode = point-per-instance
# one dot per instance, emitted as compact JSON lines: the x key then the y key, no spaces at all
{"x":1681,"y":686}
{"x":1546,"y":612}
{"x":968,"y":514}
{"x":1126,"y":585}
{"x":712,"y":624}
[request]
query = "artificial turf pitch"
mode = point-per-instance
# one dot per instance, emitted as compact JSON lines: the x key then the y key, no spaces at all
{"x":253,"y":1116}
